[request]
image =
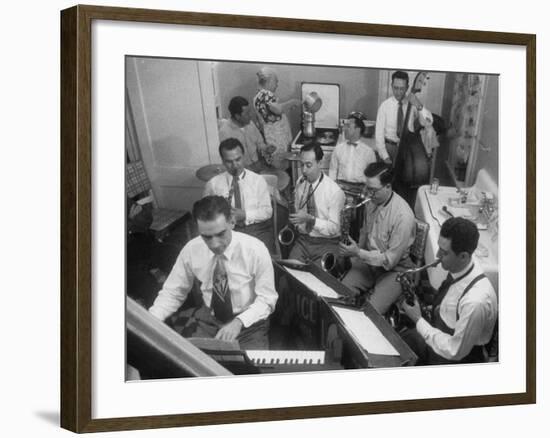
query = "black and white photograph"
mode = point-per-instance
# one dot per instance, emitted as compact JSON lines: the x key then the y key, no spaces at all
{"x":289,"y":218}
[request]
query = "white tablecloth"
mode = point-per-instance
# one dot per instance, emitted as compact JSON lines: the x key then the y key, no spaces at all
{"x":428,"y":209}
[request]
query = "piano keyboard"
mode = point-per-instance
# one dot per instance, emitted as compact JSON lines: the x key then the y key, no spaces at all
{"x":286,"y":357}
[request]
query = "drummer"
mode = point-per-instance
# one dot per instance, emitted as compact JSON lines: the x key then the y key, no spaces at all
{"x":246,"y":191}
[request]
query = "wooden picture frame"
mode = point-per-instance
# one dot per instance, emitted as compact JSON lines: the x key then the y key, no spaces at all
{"x":76,"y":217}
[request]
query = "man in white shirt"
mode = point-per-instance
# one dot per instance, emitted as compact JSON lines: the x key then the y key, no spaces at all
{"x":236,"y":279}
{"x":246,"y":191}
{"x":465,"y":309}
{"x":318,"y":201}
{"x":241,"y":127}
{"x":351,"y":157}
{"x":390,"y":119}
{"x":388,"y":231}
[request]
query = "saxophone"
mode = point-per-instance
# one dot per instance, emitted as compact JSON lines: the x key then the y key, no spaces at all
{"x":332,"y":263}
{"x":288,"y":233}
{"x":406,"y":278}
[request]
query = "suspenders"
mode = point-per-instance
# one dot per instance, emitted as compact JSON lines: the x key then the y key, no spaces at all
{"x":472,"y":283}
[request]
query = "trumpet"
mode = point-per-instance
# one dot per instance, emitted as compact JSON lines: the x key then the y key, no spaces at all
{"x":336,"y":265}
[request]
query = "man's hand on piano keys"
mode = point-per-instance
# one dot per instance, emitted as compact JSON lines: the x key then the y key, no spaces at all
{"x":230,"y":331}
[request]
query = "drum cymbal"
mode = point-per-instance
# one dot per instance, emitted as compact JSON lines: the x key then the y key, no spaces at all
{"x":209,"y":171}
{"x":282,"y":177}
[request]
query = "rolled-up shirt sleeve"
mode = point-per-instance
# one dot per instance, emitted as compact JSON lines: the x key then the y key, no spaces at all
{"x":468,"y":329}
{"x":264,"y":289}
{"x":175,"y":289}
{"x":424,"y":117}
{"x":400,"y":240}
{"x":261,"y":210}
{"x":379,"y":133}
{"x":208,"y":189}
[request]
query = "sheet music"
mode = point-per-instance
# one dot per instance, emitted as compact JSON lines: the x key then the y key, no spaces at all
{"x":313,"y":283}
{"x":366,"y":333}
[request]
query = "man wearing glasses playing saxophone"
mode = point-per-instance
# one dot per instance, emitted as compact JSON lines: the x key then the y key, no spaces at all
{"x":387,"y":234}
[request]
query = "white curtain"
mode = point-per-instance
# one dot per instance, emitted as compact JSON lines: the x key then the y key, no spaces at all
{"x":131,"y":139}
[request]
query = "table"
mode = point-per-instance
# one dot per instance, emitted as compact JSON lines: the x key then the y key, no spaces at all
{"x":428,"y":208}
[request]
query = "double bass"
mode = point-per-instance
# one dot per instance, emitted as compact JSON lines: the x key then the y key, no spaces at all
{"x":412,"y":163}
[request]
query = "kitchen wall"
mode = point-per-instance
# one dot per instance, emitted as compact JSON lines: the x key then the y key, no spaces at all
{"x":358,"y":86}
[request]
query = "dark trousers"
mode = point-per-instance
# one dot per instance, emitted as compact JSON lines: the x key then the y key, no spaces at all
{"x":380,"y":285}
{"x":200,"y":323}
{"x":261,"y":230}
{"x":307,"y":248}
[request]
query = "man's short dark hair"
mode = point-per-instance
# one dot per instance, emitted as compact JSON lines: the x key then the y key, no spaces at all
{"x":315,"y":147}
{"x":381,"y":170}
{"x":399,"y":74}
{"x":359,"y":122}
{"x":229,"y":144}
{"x":462,"y":233}
{"x":236,"y":105}
{"x":210,"y":207}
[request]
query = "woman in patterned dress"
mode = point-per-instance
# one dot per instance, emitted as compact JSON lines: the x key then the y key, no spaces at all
{"x":272,"y":116}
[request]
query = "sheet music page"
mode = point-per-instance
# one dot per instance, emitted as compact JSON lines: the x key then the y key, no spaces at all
{"x":366,"y":333}
{"x":312,"y":282}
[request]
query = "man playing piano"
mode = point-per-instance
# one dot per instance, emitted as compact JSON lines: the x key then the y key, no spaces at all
{"x":465,"y":308}
{"x":236,"y":279}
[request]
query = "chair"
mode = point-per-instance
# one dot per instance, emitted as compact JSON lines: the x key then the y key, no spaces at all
{"x":137,"y":183}
{"x":419,"y":245}
{"x":395,"y":314}
{"x":272,"y":182}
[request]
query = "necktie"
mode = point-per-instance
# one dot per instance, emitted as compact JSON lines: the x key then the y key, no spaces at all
{"x":400,"y":119}
{"x":221,"y":296}
{"x":443,"y":289}
{"x":236,"y":192}
{"x":310,"y":208}
{"x":352,"y":143}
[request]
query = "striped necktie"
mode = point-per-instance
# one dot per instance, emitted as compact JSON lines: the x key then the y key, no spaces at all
{"x":221,"y":296}
{"x":311,"y":209}
{"x":236,"y":192}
